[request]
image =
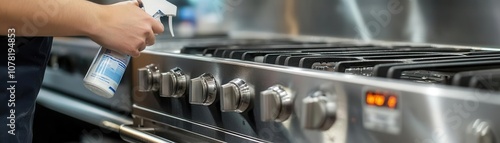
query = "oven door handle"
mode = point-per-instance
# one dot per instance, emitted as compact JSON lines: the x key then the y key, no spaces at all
{"x":138,"y":135}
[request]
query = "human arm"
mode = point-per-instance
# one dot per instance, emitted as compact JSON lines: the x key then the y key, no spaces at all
{"x":122,"y":27}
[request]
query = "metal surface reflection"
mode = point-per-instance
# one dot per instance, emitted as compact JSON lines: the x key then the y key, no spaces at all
{"x":471,"y":23}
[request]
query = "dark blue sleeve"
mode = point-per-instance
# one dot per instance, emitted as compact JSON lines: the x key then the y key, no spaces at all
{"x":31,"y":56}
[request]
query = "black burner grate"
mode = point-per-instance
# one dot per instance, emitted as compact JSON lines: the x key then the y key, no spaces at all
{"x":451,"y":66}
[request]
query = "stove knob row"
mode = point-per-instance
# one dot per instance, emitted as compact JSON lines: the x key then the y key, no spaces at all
{"x":319,"y":112}
{"x":276,"y":104}
{"x":236,"y":96}
{"x":174,"y":83}
{"x":169,"y":84}
{"x":149,"y":77}
{"x":203,"y":90}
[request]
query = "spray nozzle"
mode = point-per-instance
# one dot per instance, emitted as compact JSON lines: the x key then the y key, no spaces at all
{"x":159,"y":8}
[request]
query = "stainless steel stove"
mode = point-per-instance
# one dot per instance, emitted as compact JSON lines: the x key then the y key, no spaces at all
{"x":279,"y":90}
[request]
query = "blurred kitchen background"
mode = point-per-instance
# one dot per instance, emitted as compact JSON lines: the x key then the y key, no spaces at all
{"x":470,"y":23}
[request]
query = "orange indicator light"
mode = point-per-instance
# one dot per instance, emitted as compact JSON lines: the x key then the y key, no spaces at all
{"x":379,"y":100}
{"x":370,"y":99}
{"x":392,"y":102}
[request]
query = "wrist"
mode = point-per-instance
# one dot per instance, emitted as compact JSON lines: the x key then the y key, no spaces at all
{"x":96,"y":18}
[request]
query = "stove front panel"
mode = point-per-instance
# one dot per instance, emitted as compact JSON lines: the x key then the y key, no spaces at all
{"x":325,"y":106}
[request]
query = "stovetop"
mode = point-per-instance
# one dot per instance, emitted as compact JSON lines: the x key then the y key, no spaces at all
{"x":424,"y":64}
{"x":240,"y":90}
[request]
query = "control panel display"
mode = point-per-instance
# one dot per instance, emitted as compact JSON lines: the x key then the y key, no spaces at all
{"x":382,"y":111}
{"x":381,"y":99}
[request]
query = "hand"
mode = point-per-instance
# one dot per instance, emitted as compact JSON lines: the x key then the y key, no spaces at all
{"x":125,"y":28}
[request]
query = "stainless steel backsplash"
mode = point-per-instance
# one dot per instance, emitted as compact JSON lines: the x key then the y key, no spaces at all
{"x":457,"y":22}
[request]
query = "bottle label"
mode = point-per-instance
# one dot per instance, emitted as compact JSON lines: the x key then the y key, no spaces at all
{"x":111,"y":67}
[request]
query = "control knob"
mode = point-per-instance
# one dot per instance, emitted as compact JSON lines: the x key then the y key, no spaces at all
{"x":203,"y":90}
{"x":149,"y":78}
{"x":480,"y":132}
{"x":319,"y":113}
{"x":173,"y":83}
{"x":276,"y":104}
{"x":236,"y":96}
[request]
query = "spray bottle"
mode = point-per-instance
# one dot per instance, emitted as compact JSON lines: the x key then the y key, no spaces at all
{"x":108,"y":67}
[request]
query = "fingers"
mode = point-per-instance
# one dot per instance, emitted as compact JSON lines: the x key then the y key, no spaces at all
{"x":150,"y":39}
{"x":136,"y":51}
{"x":142,"y":33}
{"x":157,"y":27}
{"x":142,"y":48}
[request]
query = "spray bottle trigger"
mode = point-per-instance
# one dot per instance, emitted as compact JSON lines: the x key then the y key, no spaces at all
{"x":170,"y":25}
